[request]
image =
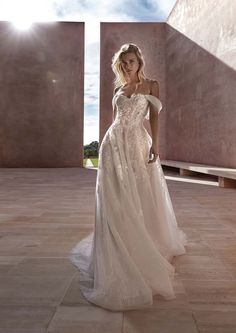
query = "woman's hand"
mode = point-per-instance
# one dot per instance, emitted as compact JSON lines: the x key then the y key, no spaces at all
{"x":154,"y":151}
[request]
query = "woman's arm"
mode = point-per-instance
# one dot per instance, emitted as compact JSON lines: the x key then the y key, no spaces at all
{"x":114,"y":107}
{"x":153,"y":118}
{"x":114,"y":113}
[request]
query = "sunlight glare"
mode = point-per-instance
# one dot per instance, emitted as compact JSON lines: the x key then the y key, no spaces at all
{"x":22,"y":24}
{"x":191,"y":180}
{"x":23,"y":13}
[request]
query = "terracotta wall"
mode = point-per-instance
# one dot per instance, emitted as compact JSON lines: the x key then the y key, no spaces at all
{"x":150,"y":37}
{"x":200,"y":81}
{"x":41,"y":95}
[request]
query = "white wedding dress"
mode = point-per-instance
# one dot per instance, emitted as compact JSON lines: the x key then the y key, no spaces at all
{"x":127,"y":258}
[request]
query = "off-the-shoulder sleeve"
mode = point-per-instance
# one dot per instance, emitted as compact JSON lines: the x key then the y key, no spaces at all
{"x":154,"y":101}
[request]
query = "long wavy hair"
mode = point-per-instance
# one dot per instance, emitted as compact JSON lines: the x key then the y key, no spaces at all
{"x":117,"y":67}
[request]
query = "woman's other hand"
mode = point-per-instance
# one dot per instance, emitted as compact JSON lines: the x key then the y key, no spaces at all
{"x":153,"y":151}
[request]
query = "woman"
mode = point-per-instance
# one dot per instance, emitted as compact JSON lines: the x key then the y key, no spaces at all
{"x":126,"y":260}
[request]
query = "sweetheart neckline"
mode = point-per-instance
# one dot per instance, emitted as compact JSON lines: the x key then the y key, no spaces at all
{"x":131,"y":95}
{"x":136,"y":95}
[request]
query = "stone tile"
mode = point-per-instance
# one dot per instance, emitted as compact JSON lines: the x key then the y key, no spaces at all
{"x":74,"y":295}
{"x":190,"y":267}
{"x":223,"y":248}
{"x":19,"y":240}
{"x":230,"y":222}
{"x":207,"y":223}
{"x":43,"y":266}
{"x":230,"y":264}
{"x":55,"y":250}
{"x":4,"y":269}
{"x":68,"y":219}
{"x":25,"y":319}
{"x":217,"y":234}
{"x":12,"y":217}
{"x":74,"y":237}
{"x":33,"y":290}
{"x":198,"y":248}
{"x":85,"y":319}
{"x":14,"y":251}
{"x":160,"y":320}
{"x":216,"y":292}
{"x":211,"y":306}
{"x":216,"y":321}
{"x":10,"y":260}
{"x":45,"y":212}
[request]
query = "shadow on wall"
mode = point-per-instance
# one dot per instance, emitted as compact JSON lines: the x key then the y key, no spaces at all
{"x":200,"y":103}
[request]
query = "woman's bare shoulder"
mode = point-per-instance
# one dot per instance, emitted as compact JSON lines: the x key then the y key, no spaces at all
{"x":152,"y":83}
{"x":154,"y":87}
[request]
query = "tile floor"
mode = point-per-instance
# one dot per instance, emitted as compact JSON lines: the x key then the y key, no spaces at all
{"x":45,"y":212}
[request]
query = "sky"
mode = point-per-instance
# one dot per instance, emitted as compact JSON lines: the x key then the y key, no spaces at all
{"x":92,"y":12}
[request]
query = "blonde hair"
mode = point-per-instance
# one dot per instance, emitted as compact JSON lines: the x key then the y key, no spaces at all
{"x":117,"y":68}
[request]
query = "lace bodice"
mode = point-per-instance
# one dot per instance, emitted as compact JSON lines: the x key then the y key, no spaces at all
{"x":134,"y":108}
{"x":127,"y":130}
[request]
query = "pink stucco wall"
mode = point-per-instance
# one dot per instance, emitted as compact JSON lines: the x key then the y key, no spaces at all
{"x":200,"y":81}
{"x":41,"y":95}
{"x":150,"y":37}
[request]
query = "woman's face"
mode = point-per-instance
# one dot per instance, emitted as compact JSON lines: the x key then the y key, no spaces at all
{"x":129,"y":63}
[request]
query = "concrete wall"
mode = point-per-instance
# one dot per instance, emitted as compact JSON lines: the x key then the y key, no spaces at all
{"x":150,"y":37}
{"x":41,"y":95}
{"x":200,"y":81}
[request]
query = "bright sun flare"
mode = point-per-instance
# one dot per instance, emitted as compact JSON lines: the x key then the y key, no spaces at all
{"x":23,"y":13}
